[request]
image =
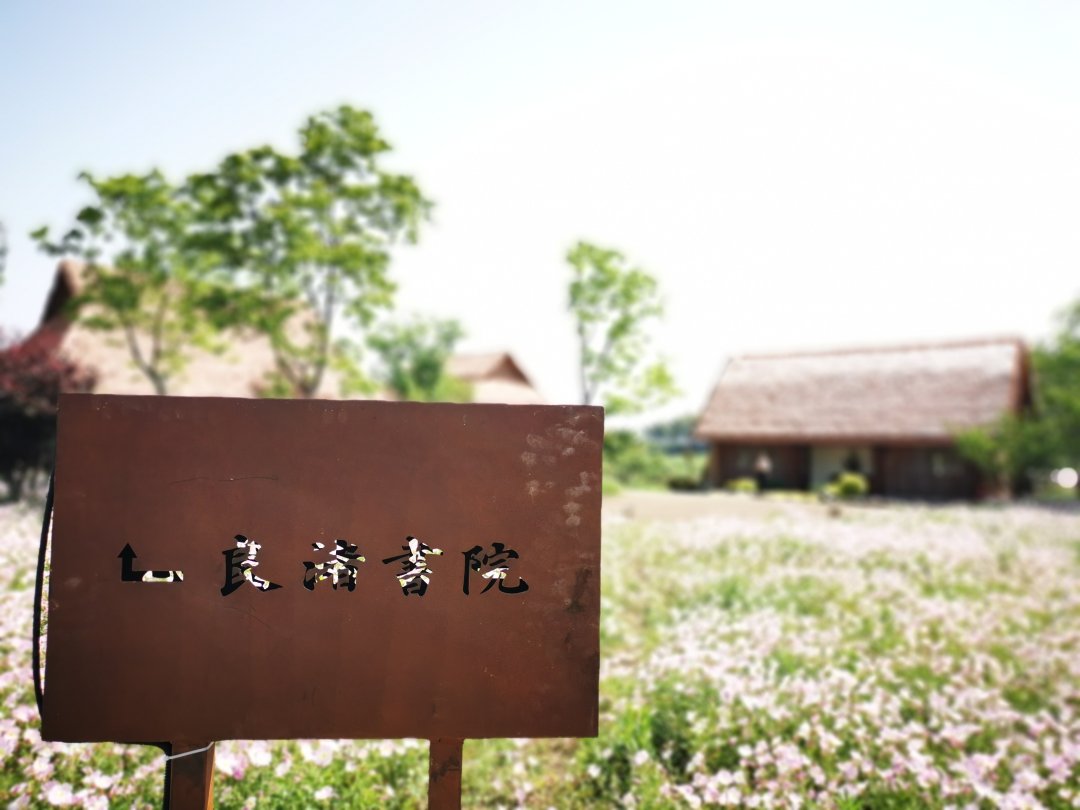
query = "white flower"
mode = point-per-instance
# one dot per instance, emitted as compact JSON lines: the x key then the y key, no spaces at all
{"x":258,"y":754}
{"x":59,"y":794}
{"x":99,"y":780}
{"x":231,"y":762}
{"x":324,"y":794}
{"x":41,"y":768}
{"x":91,"y":801}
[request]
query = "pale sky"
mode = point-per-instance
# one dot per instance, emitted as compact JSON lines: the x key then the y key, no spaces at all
{"x":797,"y":175}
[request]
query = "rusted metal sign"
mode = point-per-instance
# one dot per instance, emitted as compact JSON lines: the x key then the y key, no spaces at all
{"x":258,"y":569}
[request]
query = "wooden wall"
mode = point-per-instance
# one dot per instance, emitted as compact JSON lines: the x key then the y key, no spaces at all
{"x":790,"y":464}
{"x":924,"y":473}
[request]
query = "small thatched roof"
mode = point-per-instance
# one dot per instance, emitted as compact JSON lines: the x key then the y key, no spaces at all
{"x":495,"y":378}
{"x":489,"y":366}
{"x":913,"y":393}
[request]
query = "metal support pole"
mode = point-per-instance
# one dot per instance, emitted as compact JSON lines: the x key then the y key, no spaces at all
{"x":190,"y":779}
{"x":444,"y":774}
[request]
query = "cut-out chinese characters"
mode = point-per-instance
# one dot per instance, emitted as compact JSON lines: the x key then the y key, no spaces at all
{"x":240,"y":564}
{"x":415,"y":572}
{"x":129,"y":574}
{"x":493,"y":566}
{"x":341,"y":569}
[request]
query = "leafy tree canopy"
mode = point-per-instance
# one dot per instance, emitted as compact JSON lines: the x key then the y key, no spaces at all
{"x":1005,"y":450}
{"x":413,"y":356}
{"x":1057,"y":388}
{"x":307,"y":237}
{"x":145,"y":276}
{"x":612,"y":305}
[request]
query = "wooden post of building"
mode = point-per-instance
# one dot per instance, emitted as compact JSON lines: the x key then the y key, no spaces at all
{"x":444,"y":774}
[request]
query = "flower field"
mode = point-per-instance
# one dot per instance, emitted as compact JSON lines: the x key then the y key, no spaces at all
{"x":888,"y":657}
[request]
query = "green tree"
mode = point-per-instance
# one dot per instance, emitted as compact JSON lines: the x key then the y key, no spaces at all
{"x":307,"y":238}
{"x":1005,"y":450}
{"x":612,"y":305}
{"x":1057,"y":390}
{"x":144,"y":276}
{"x":413,"y":357}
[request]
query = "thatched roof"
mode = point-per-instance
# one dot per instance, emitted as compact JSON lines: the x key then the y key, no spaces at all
{"x":238,"y":371}
{"x":241,"y":369}
{"x":495,"y":378}
{"x":913,"y":393}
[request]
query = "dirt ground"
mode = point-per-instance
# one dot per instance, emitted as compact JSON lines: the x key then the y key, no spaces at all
{"x":649,"y":505}
{"x":666,"y":506}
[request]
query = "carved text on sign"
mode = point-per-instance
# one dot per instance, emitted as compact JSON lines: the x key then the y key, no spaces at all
{"x":341,"y":570}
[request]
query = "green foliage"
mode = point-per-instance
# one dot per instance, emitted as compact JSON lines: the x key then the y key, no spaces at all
{"x":307,"y":237}
{"x":1057,"y":390}
{"x":1049,"y":434}
{"x":847,"y":485}
{"x":413,"y":357}
{"x":1004,"y":450}
{"x":145,"y":275}
{"x":744,"y":485}
{"x":631,"y":461}
{"x":346,"y":361}
{"x":612,"y":304}
{"x":687,"y":482}
{"x":673,"y":433}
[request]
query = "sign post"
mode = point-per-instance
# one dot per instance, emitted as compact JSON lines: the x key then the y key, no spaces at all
{"x":190,"y":777}
{"x":283,"y":569}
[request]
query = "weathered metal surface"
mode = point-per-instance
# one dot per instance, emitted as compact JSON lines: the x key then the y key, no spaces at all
{"x":178,"y":478}
{"x":444,"y":774}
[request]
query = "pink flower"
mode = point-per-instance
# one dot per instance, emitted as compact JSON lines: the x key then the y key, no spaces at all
{"x":59,"y":794}
{"x":231,"y":762}
{"x":99,"y":780}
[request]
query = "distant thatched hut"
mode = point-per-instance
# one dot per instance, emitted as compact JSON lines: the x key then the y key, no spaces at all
{"x":494,"y":377}
{"x":889,"y":413}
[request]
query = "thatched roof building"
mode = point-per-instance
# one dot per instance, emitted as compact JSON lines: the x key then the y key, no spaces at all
{"x":494,"y":377}
{"x":889,"y":412}
{"x":240,"y":370}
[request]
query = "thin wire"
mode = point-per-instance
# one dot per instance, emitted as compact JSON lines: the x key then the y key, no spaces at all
{"x":189,"y":753}
{"x":39,"y":587}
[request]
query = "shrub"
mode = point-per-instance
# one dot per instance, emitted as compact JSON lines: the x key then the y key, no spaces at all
{"x":32,"y":377}
{"x":846,"y":486}
{"x":684,"y":483}
{"x":748,"y":485}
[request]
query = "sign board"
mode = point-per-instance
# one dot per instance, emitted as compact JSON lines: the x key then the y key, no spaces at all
{"x":260,"y":569}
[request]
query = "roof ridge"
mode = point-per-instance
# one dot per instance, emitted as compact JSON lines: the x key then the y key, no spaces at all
{"x":914,"y":346}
